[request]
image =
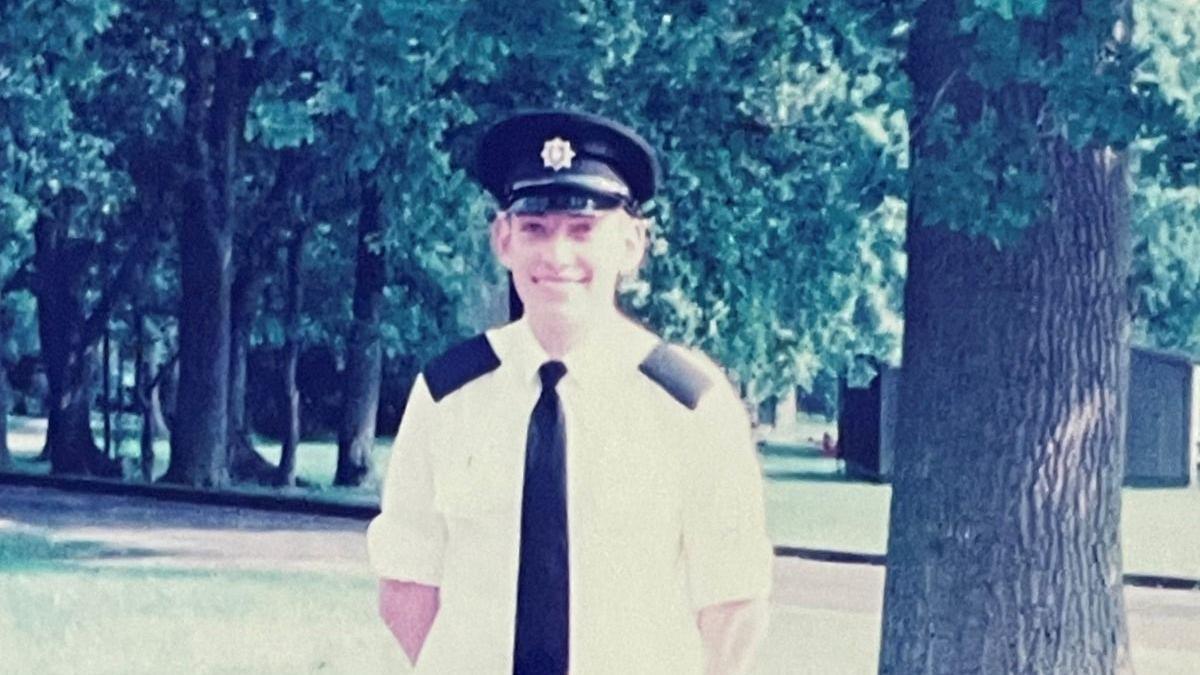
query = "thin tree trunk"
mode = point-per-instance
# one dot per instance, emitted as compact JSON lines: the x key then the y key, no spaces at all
{"x":5,"y":406}
{"x":364,"y":357}
{"x":150,"y":376}
{"x":1003,"y":553}
{"x":106,"y":388}
{"x":252,"y":274}
{"x":168,"y":389}
{"x":142,"y":390}
{"x":158,"y":418}
{"x":246,"y":464}
{"x":215,"y":99}
{"x":291,"y":355}
{"x":159,"y":376}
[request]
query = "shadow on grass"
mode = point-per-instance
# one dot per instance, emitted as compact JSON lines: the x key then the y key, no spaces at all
{"x":41,"y":501}
{"x":812,"y":476}
{"x":776,"y":450}
{"x":30,"y":550}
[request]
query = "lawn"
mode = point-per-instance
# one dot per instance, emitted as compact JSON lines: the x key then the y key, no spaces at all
{"x":127,"y":621}
{"x":809,"y":503}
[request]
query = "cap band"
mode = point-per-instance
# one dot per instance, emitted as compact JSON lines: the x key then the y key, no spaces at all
{"x":564,"y":202}
{"x":601,"y":185}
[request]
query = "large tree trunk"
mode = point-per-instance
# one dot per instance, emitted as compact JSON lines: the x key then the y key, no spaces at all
{"x":364,"y":358}
{"x":291,"y":355}
{"x":1004,"y":553}
{"x":68,"y":354}
{"x":215,"y":99}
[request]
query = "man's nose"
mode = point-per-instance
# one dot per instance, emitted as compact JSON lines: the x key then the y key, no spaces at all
{"x":558,"y":249}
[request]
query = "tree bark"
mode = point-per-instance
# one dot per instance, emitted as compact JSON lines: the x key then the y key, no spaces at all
{"x":1004,"y":552}
{"x":364,"y":358}
{"x":106,"y":388}
{"x":153,"y":378}
{"x":246,"y":464}
{"x":5,"y":406}
{"x":215,"y":100}
{"x":67,"y":351}
{"x":142,"y":377}
{"x":291,"y":355}
{"x":149,"y":376}
{"x":252,"y":273}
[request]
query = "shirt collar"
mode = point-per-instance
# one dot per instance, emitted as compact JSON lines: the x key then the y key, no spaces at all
{"x":611,"y":351}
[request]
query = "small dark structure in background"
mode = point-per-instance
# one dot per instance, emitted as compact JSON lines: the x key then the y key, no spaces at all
{"x":1161,"y":437}
{"x":867,"y":424}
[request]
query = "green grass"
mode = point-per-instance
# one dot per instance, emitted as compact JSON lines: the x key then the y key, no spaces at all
{"x":809,"y":503}
{"x":98,"y":620}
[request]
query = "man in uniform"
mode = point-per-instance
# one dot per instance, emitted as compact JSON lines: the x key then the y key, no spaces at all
{"x":567,"y":493}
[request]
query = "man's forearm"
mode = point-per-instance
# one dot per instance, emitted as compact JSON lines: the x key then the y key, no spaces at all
{"x":732,"y":633}
{"x":408,"y":609}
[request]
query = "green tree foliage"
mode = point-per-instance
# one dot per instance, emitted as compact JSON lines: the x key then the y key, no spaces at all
{"x":1167,"y":267}
{"x":778,"y":238}
{"x":1166,"y":203}
{"x":1003,"y":549}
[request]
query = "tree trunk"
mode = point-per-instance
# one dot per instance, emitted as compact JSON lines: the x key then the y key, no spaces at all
{"x":154,"y":379}
{"x":168,"y":389}
{"x":364,"y":357}
{"x":142,"y":377}
{"x":270,"y":214}
{"x":1004,"y":550}
{"x":67,"y":354}
{"x":5,"y":406}
{"x":215,"y":99}
{"x":106,"y":388}
{"x":291,"y":356}
{"x":246,"y":464}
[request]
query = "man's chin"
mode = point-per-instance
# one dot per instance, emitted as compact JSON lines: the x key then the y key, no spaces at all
{"x":573,"y":303}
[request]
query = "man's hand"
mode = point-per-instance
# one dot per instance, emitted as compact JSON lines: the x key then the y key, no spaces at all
{"x":408,"y":609}
{"x":732,"y":633}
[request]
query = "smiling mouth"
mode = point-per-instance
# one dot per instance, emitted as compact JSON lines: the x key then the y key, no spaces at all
{"x":556,"y":280}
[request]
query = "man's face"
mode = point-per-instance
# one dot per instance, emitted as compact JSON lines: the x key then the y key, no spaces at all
{"x":568,"y":263}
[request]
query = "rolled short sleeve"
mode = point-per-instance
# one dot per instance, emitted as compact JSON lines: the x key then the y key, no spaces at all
{"x":406,"y":540}
{"x":727,"y":553}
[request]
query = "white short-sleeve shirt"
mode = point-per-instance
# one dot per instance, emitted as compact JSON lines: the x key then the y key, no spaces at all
{"x":665,"y":507}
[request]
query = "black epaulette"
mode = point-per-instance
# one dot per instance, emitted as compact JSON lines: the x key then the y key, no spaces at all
{"x":673,"y":372}
{"x":459,"y":365}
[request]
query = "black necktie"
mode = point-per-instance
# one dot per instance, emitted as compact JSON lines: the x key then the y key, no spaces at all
{"x":543,"y":581}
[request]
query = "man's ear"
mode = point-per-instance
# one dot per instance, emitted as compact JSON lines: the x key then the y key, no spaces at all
{"x":636,"y":240}
{"x":501,"y":237}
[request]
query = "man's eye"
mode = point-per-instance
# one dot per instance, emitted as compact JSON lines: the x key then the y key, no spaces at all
{"x":532,"y":227}
{"x":581,"y":230}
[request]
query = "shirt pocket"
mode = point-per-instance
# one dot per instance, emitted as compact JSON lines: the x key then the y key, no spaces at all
{"x":475,"y":481}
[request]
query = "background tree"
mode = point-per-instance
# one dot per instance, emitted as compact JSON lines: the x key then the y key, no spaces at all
{"x":1004,"y":546}
{"x":1166,"y":199}
{"x":777,"y":243}
{"x":57,"y":180}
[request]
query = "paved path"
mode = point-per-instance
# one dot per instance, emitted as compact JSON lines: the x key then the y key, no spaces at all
{"x":822,"y":613}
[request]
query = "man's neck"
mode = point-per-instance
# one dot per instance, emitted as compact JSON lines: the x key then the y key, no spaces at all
{"x":559,"y":335}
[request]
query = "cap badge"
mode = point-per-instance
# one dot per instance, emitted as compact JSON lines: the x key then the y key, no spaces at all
{"x":557,"y":154}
